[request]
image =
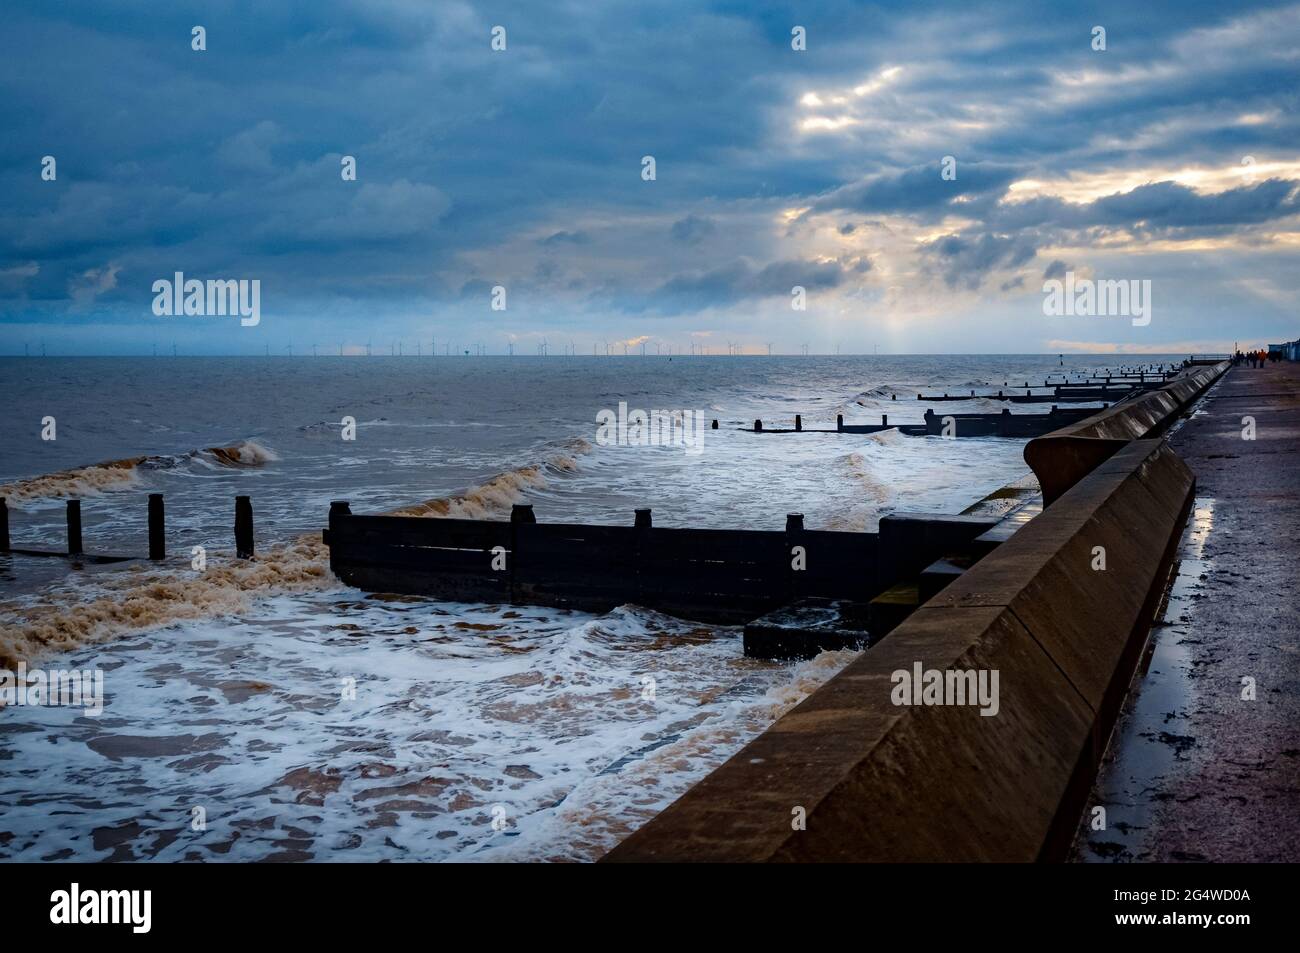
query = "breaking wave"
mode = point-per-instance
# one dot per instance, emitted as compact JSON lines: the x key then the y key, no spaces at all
{"x":78,"y":482}
{"x":143,"y":597}
{"x":497,"y":495}
{"x":857,"y":465}
{"x":124,"y":474}
{"x":249,"y":453}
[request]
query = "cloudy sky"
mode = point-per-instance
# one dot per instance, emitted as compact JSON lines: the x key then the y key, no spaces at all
{"x":1171,"y":156}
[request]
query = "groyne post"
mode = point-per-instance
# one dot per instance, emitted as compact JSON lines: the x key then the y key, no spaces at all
{"x":758,"y":426}
{"x":839,"y":423}
{"x":157,"y":534}
{"x":520,"y":513}
{"x":74,"y":528}
{"x":243,"y":527}
{"x":4,"y":525}
{"x":794,"y":538}
{"x":798,"y":422}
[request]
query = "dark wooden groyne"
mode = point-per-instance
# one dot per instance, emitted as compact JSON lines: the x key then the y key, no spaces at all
{"x":798,"y":591}
{"x":1060,"y":394}
{"x":724,"y":576}
{"x":1002,"y":424}
{"x":157,"y":534}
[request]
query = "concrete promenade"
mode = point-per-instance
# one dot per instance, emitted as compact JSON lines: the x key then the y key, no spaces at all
{"x":1196,"y":771}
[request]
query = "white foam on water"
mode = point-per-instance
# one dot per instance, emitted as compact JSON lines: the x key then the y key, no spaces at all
{"x":462,"y":715}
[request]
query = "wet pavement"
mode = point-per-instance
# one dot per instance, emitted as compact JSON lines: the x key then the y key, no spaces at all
{"x":1204,"y":764}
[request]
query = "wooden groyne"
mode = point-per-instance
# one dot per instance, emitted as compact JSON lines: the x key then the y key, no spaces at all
{"x":1066,"y":393}
{"x":157,"y":534}
{"x":828,"y":589}
{"x":726,"y":576}
{"x":1002,"y":424}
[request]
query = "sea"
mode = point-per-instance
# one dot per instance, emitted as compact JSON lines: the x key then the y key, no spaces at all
{"x":260,"y":710}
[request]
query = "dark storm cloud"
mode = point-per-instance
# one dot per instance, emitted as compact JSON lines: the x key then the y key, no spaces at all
{"x":740,"y":280}
{"x":964,"y":260}
{"x":922,"y":189}
{"x":692,"y":229}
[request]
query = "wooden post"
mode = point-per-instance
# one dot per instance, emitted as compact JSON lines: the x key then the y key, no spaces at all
{"x":884,"y":420}
{"x":758,"y":426}
{"x":520,"y":513}
{"x":715,"y":423}
{"x":839,"y":422}
{"x":157,"y":533}
{"x":4,"y":525}
{"x":243,"y":527}
{"x":796,"y":579}
{"x":339,"y":511}
{"x":798,"y":422}
{"x":640,"y":556}
{"x":74,"y":528}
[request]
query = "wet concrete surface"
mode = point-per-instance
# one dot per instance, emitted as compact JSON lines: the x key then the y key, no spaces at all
{"x":1204,"y":764}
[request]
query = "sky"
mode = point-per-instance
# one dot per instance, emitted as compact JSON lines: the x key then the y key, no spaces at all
{"x":921,"y":170}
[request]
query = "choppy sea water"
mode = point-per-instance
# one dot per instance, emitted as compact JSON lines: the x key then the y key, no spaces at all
{"x":302,"y":719}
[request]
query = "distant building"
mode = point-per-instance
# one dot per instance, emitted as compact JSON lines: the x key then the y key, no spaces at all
{"x":1289,"y":351}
